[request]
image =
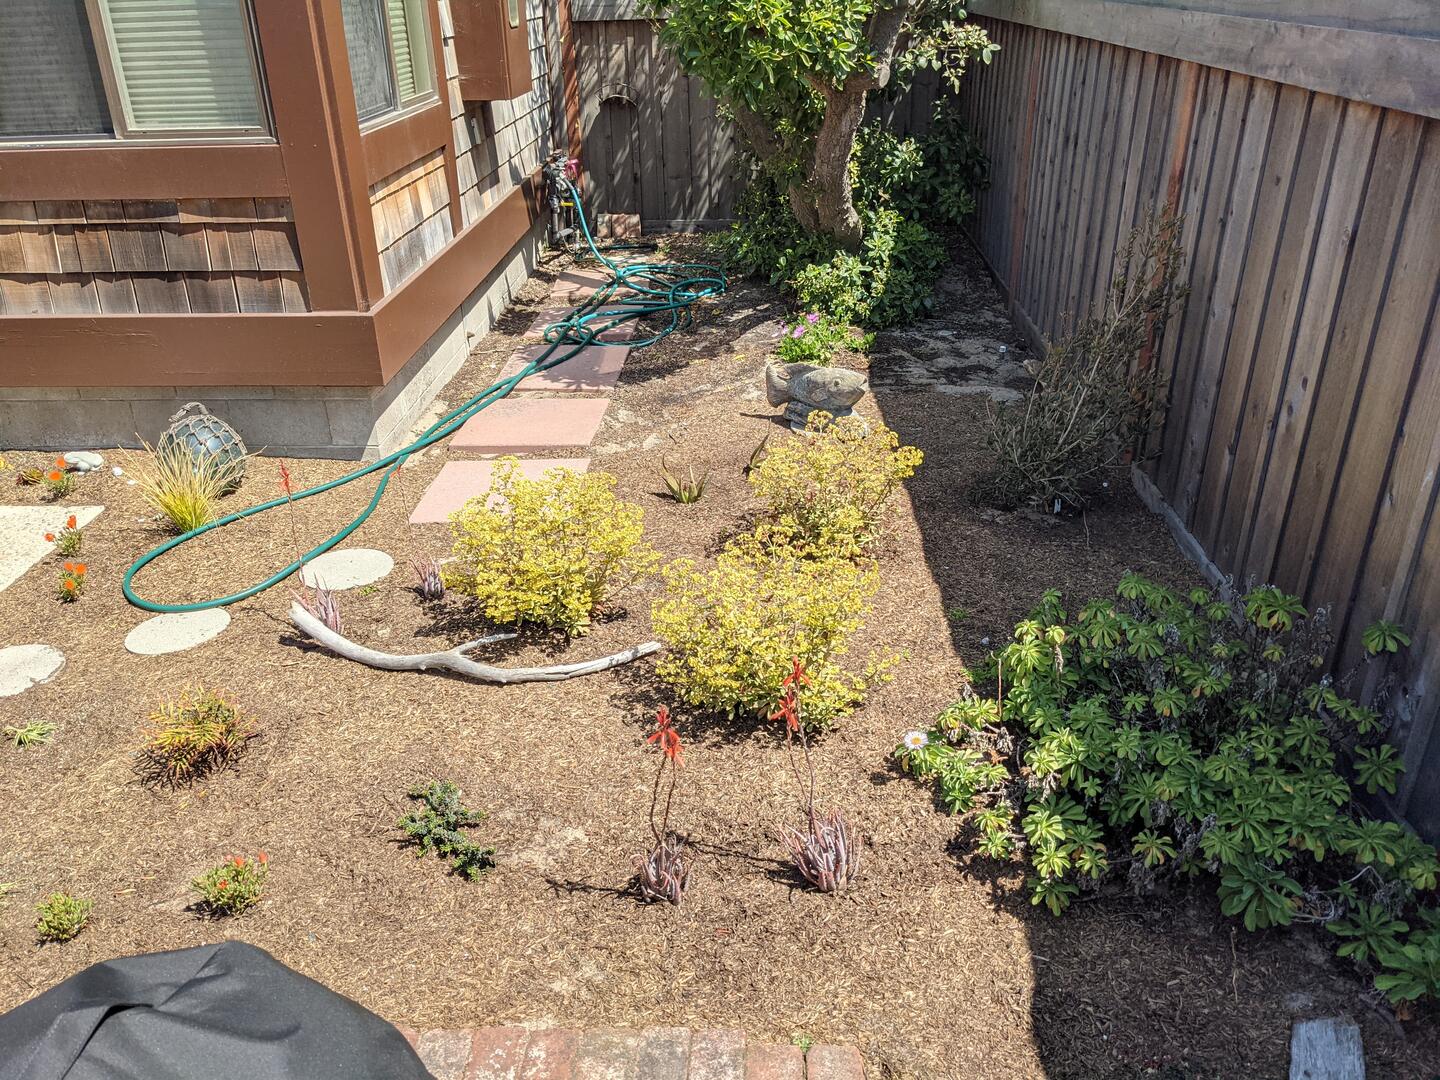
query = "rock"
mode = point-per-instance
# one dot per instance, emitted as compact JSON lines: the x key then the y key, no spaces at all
{"x":83,"y":460}
{"x":804,"y":388}
{"x":176,"y":632}
{"x":1328,"y":1049}
{"x":346,"y":568}
{"x":24,"y":666}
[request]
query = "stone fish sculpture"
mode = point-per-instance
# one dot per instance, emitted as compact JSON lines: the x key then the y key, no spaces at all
{"x":803,"y":388}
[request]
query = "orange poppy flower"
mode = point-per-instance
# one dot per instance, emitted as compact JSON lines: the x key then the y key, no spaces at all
{"x":80,"y":568}
{"x":69,"y":567}
{"x":70,"y":522}
{"x":222,"y":884}
{"x":54,"y":477}
{"x":50,"y":537}
{"x":68,"y":585}
{"x":263,"y":858}
{"x":60,"y":463}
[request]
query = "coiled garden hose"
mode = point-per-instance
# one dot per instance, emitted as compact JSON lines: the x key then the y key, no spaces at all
{"x":635,"y":291}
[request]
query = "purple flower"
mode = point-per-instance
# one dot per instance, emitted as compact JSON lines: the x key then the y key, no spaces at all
{"x":799,"y":332}
{"x":812,"y":318}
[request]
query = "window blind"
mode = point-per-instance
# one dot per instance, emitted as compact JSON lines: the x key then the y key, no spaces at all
{"x":49,"y":79}
{"x":405,"y":61}
{"x":184,"y":65}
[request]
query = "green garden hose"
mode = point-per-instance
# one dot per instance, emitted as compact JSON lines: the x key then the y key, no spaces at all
{"x":635,"y":291}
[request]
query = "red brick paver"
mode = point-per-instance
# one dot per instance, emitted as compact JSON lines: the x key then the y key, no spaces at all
{"x":518,"y":1053}
{"x":593,"y":370}
{"x":551,"y":1054}
{"x":531,"y":425}
{"x":717,"y":1055}
{"x":497,"y":1053}
{"x":774,"y":1062}
{"x":833,"y":1063}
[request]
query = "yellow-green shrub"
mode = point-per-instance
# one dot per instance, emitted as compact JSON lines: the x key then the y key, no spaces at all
{"x":549,"y":551}
{"x":826,"y":491}
{"x":734,"y":629}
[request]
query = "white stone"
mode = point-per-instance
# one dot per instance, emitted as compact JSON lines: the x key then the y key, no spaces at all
{"x":84,"y":460}
{"x":347,"y":568}
{"x":22,"y":534}
{"x":176,"y":631}
{"x":24,"y":666}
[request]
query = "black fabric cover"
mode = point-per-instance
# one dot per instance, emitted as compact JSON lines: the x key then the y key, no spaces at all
{"x":217,"y":1012}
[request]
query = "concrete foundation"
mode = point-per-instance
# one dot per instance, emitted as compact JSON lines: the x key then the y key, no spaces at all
{"x":351,"y":422}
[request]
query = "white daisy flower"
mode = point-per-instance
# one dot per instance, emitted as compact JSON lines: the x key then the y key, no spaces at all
{"x":914,"y":740}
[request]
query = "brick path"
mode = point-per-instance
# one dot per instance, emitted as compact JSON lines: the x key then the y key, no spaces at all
{"x":518,"y":1053}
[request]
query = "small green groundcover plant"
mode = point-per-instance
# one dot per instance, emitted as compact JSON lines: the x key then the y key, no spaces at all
{"x":193,"y":735}
{"x":826,"y":492}
{"x":815,"y":338}
{"x":61,"y":916}
{"x":436,"y":826}
{"x":1159,"y":735}
{"x":233,"y":886}
{"x":549,"y":552}
{"x":733,"y":629}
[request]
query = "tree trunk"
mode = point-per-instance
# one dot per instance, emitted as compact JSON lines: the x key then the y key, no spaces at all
{"x":827,"y":190}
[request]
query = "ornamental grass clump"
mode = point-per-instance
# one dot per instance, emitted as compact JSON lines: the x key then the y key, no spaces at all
{"x":732,"y":629}
{"x":664,"y":873}
{"x":185,"y":488}
{"x":68,"y":540}
{"x":826,"y":491}
{"x":436,"y":827}
{"x":551,"y":551}
{"x":61,"y":917}
{"x":30,"y":734}
{"x":827,"y":853}
{"x":233,"y":886}
{"x":1157,"y":736}
{"x":192,"y":736}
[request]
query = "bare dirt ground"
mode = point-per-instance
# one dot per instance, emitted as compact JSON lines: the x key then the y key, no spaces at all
{"x":936,"y":965}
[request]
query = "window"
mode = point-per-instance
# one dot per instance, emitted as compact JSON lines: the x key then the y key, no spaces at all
{"x":128,"y":68}
{"x":390,"y":60}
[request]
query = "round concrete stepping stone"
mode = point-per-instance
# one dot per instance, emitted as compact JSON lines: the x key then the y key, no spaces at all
{"x":347,"y":568}
{"x":24,"y":666}
{"x":176,"y":632}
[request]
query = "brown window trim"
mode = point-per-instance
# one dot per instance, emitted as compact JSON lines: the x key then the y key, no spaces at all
{"x":302,"y":349}
{"x":130,"y":170}
{"x":395,"y":144}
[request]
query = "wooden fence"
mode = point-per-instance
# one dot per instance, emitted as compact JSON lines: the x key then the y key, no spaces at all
{"x":1302,"y":440}
{"x":654,"y":145}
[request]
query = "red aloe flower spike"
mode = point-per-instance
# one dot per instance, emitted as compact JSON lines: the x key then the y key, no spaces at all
{"x":285,"y":478}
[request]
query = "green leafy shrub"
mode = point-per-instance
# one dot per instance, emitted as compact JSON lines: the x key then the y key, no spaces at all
{"x":233,"y":886}
{"x":1086,"y":418}
{"x":30,"y":734}
{"x":1158,"y":735}
{"x":197,"y":733}
{"x":62,"y":916}
{"x":733,"y":630}
{"x":931,"y":178}
{"x":815,"y":338}
{"x":826,"y":491}
{"x":436,"y":827}
{"x":887,"y":282}
{"x":551,"y":551}
{"x":903,"y":188}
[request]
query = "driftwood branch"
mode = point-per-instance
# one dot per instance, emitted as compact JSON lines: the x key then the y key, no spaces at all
{"x":455,"y":659}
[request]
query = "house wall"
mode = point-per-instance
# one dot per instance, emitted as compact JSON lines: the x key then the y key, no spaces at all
{"x":125,"y":257}
{"x":413,"y":264}
{"x":1302,"y":441}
